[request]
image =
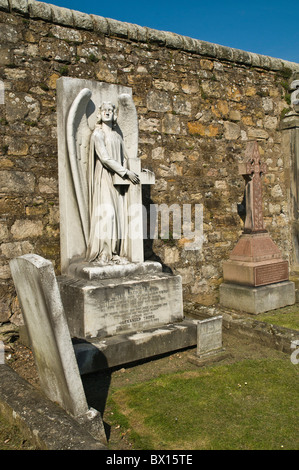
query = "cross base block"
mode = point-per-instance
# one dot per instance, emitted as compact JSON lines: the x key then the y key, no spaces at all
{"x":257,"y":300}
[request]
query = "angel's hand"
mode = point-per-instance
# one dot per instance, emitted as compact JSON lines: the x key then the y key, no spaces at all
{"x":133,"y":177}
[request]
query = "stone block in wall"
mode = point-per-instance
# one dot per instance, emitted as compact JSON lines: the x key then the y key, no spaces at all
{"x":181,"y":105}
{"x":16,"y":182}
{"x":9,"y":34}
{"x":60,"y":51}
{"x":255,"y":133}
{"x":21,"y":106}
{"x":171,"y":124}
{"x":66,"y":34}
{"x":11,"y":249}
{"x":48,"y":185}
{"x":6,"y":55}
{"x":23,"y":229}
{"x":232,"y":131}
{"x":158,"y":101}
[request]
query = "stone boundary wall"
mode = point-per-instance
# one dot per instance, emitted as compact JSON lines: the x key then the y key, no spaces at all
{"x":134,"y":32}
{"x":198,"y":105}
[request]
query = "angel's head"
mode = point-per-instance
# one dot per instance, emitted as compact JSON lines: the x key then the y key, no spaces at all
{"x":107,"y":113}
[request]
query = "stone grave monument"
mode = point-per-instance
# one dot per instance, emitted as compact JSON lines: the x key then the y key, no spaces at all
{"x":209,"y":341}
{"x":256,"y":277}
{"x":50,"y":340}
{"x":119,"y":307}
{"x":289,"y":127}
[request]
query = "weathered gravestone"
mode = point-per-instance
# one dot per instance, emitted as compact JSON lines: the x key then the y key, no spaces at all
{"x":209,"y":341}
{"x":49,"y":337}
{"x":256,"y":277}
{"x":121,"y":307}
{"x":209,"y":337}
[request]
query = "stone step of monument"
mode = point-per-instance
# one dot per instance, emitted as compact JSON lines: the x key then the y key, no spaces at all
{"x":94,"y":271}
{"x":99,"y":354}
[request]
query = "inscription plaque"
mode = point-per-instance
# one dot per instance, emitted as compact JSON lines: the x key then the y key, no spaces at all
{"x":138,"y":307}
{"x":271,"y":273}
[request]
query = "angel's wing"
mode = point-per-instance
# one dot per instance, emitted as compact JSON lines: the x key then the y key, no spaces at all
{"x":128,"y":122}
{"x":78,"y":137}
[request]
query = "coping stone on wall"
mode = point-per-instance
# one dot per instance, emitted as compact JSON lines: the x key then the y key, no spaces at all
{"x":39,"y":10}
{"x":20,"y":6}
{"x":117,"y":28}
{"x":108,"y":26}
{"x":4,"y":5}
{"x":62,"y":16}
{"x":82,"y":20}
{"x":100,"y":24}
{"x":174,"y":41}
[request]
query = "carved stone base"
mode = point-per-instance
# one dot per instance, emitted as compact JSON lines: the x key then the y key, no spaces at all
{"x":255,"y":261}
{"x":257,"y":300}
{"x":116,"y":306}
{"x":93,"y":355}
{"x":94,"y":271}
{"x":255,"y":274}
{"x":255,"y":247}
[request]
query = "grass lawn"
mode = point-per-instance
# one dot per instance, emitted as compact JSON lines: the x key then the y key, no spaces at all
{"x":288,"y":317}
{"x":11,"y":438}
{"x":247,"y":402}
{"x":250,"y":405}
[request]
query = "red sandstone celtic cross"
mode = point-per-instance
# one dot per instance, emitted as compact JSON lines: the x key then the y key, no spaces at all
{"x":252,"y":170}
{"x":255,"y":260}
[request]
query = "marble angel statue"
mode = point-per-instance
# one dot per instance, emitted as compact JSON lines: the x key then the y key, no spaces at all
{"x":97,"y":153}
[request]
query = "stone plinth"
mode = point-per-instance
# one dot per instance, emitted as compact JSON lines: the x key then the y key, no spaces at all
{"x":256,"y":277}
{"x":113,"y":351}
{"x":93,"y":271}
{"x":255,"y":274}
{"x":108,"y":307}
{"x":257,"y":300}
{"x":255,"y":261}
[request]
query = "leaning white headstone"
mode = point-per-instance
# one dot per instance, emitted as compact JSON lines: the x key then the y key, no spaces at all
{"x":50,"y":340}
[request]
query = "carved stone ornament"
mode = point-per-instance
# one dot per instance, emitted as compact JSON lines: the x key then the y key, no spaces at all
{"x":295,"y":95}
{"x":100,"y":174}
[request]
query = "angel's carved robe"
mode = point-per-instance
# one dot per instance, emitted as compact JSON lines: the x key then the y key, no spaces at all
{"x":108,"y":203}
